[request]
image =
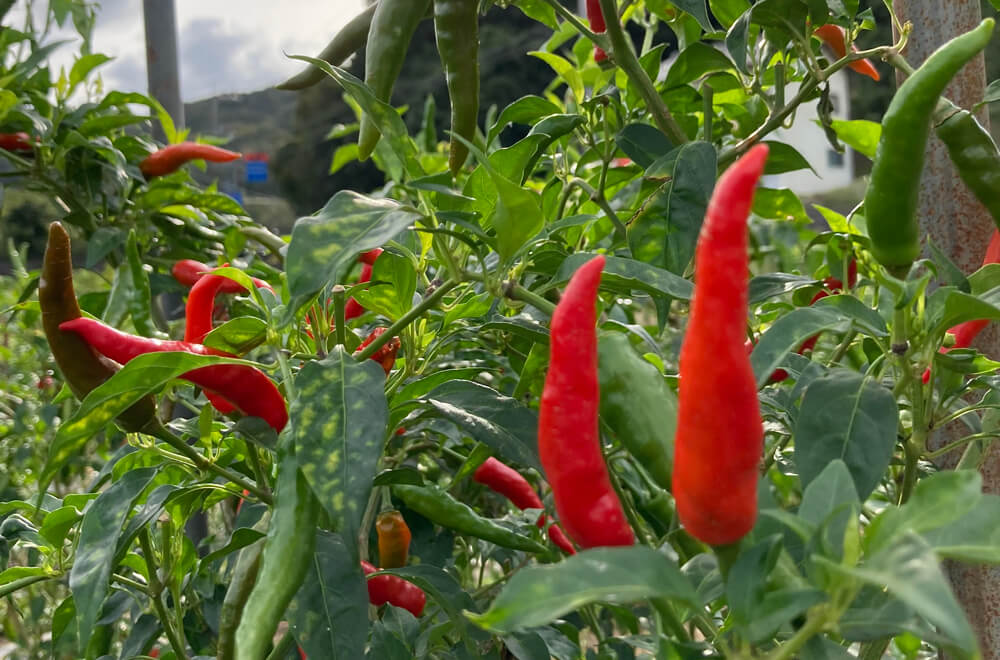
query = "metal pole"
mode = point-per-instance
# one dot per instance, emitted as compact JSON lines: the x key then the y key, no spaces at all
{"x":959,"y":225}
{"x":162,"y":73}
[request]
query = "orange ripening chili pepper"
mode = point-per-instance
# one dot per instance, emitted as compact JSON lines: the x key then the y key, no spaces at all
{"x":720,"y":434}
{"x":393,"y":539}
{"x":169,"y":159}
{"x":966,"y":333}
{"x":569,"y":441}
{"x":834,"y":36}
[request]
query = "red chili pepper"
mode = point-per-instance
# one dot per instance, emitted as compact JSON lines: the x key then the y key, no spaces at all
{"x":370,"y":256}
{"x":19,"y":142}
{"x":386,"y":355}
{"x":507,"y":481}
{"x":834,"y":37}
{"x":394,"y":590}
{"x":188,"y":271}
{"x":246,"y":387}
{"x":569,"y":442}
{"x":169,"y":159}
{"x":302,"y":654}
{"x":198,"y":322}
{"x":353,"y":308}
{"x":597,"y":24}
{"x":720,"y":434}
{"x":966,"y":333}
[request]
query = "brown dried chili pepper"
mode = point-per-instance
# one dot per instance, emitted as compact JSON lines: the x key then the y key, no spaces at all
{"x":569,"y":442}
{"x":246,"y":387}
{"x":169,"y":159}
{"x":510,"y":483}
{"x":720,"y":434}
{"x":81,"y":367}
{"x":393,"y":539}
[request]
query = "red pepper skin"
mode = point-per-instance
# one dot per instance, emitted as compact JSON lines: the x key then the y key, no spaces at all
{"x":370,"y":256}
{"x":833,"y":36}
{"x":386,"y":355}
{"x":169,"y":159}
{"x":394,"y":590}
{"x":19,"y":142}
{"x":596,"y":18}
{"x":353,"y":308}
{"x":198,"y":323}
{"x":569,"y":441}
{"x":187,"y":272}
{"x":246,"y":387}
{"x":720,"y":434}
{"x":965,"y":333}
{"x":508,"y":482}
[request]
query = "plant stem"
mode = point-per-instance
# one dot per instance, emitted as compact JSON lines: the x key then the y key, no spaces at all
{"x":814,"y":624}
{"x":575,"y":21}
{"x":339,"y":319}
{"x":176,"y":637}
{"x":517,"y":292}
{"x":275,"y":244}
{"x":599,"y":199}
{"x":874,"y":650}
{"x":406,"y":319}
{"x":204,"y":464}
{"x":282,"y":647}
{"x":621,"y":51}
{"x":669,"y":617}
{"x":708,"y":111}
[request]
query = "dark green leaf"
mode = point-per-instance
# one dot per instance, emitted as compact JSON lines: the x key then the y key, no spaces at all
{"x":627,"y":275}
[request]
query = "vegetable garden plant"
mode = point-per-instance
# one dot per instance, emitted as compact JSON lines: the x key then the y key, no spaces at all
{"x":716,"y":444}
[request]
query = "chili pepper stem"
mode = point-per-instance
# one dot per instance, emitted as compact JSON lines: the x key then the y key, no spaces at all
{"x":622,"y":53}
{"x":274,"y":243}
{"x":726,"y":556}
{"x":406,"y":319}
{"x":204,"y":464}
{"x":668,"y":618}
{"x":339,"y":320}
{"x":912,"y":456}
{"x":366,"y":522}
{"x":515,"y":291}
{"x":443,"y":253}
{"x":282,"y":647}
{"x":598,"y":198}
{"x":257,"y":466}
{"x":176,"y":637}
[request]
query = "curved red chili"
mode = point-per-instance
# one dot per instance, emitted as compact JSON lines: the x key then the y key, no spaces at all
{"x":394,"y":590}
{"x":246,"y":387}
{"x":510,"y":483}
{"x":19,"y":142}
{"x":169,"y":159}
{"x":569,"y":442}
{"x":720,"y":433}
{"x":198,"y":323}
{"x":188,"y":271}
{"x":386,"y":355}
{"x":370,"y":256}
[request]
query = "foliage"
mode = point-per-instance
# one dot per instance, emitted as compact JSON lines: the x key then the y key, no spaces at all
{"x":854,"y":517}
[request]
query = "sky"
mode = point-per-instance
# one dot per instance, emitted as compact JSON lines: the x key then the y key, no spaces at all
{"x":224,"y":46}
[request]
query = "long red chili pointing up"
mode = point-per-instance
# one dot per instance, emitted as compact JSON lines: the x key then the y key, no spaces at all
{"x":720,"y":434}
{"x":246,"y":387}
{"x":569,"y":442}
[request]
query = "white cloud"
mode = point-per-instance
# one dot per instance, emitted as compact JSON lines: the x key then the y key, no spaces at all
{"x":224,"y":46}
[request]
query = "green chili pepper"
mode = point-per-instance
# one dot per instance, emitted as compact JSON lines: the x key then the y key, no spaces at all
{"x":441,"y":508}
{"x":638,"y":405}
{"x":456,"y":26}
{"x":287,"y":554}
{"x":974,"y":153}
{"x":351,"y":38}
{"x":241,"y":582}
{"x":392,"y":27}
{"x":891,"y":199}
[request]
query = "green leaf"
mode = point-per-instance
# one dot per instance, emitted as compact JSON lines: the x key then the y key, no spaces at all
{"x":785,"y":158}
{"x":694,"y":62}
{"x":728,"y":11}
{"x":92,"y":566}
{"x":339,"y":421}
{"x":565,"y":70}
{"x":142,"y":375}
{"x":697,"y":9}
{"x":859,"y":134}
{"x":787,"y":334}
{"x":664,"y":233}
{"x":643,"y":143}
{"x":780,"y":204}
{"x":973,"y":537}
{"x":329,"y":614}
{"x":627,"y":275}
{"x":421,"y":386}
{"x":525,"y":110}
{"x":772,"y":285}
{"x":504,"y":424}
{"x":238,"y":336}
{"x":446,"y":592}
{"x":324,"y":246}
{"x":828,"y":492}
{"x":395,"y":282}
{"x":384,"y":116}
{"x":538,"y":595}
{"x":846,"y":416}
{"x":911,"y":572}
{"x":748,"y":578}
